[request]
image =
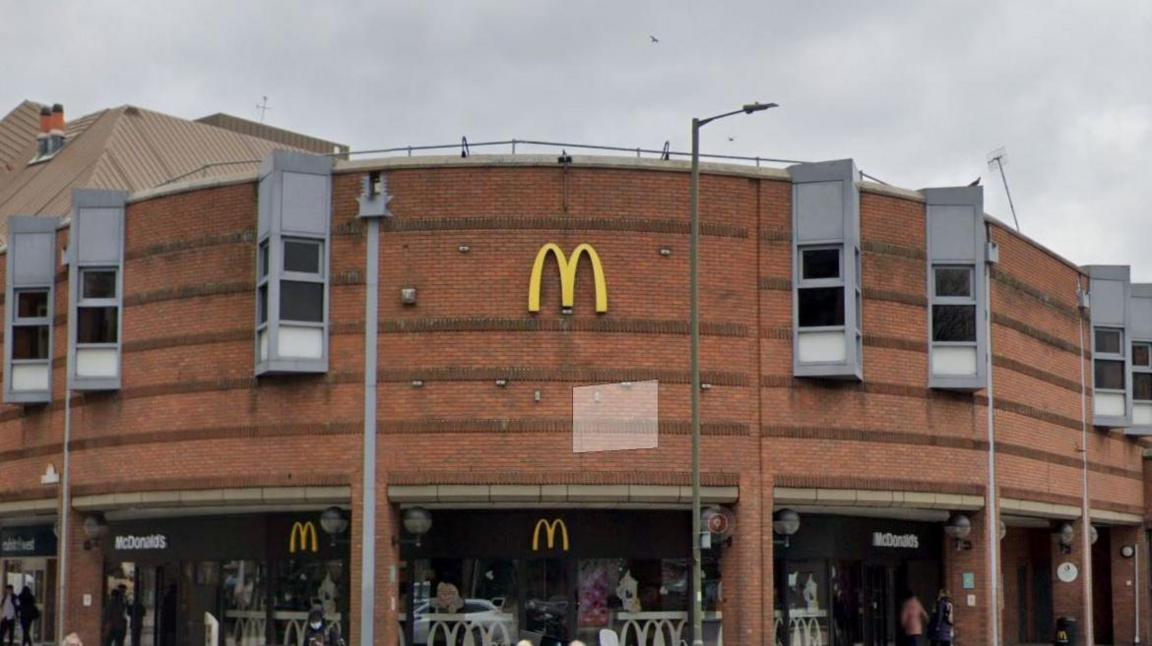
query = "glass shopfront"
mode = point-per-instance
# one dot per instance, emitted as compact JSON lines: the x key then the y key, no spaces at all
{"x":257,"y":575}
{"x":553,"y":576}
{"x":28,"y":560}
{"x":841,"y":580}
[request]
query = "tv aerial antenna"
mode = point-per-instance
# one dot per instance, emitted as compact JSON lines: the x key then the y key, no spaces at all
{"x":996,"y":160}
{"x":263,"y":108}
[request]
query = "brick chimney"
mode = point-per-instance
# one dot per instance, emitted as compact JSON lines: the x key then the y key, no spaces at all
{"x":56,"y":129}
{"x":45,"y":128}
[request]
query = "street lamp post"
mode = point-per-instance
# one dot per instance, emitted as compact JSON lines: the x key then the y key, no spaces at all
{"x":694,"y":280}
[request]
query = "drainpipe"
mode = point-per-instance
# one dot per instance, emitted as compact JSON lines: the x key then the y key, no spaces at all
{"x":373,"y":206}
{"x":62,"y":523}
{"x":991,"y":517}
{"x":1085,"y":513}
{"x":1136,"y":586}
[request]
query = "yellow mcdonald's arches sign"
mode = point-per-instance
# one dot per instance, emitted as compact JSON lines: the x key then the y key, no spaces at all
{"x":568,"y":267}
{"x":550,"y":528}
{"x":299,"y":538}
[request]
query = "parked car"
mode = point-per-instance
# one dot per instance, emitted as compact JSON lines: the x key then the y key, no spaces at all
{"x":480,"y":615}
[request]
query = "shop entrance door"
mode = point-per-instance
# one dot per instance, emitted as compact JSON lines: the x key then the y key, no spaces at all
{"x":39,"y":576}
{"x":879,"y":607}
{"x":156,"y":608}
{"x":548,"y":606}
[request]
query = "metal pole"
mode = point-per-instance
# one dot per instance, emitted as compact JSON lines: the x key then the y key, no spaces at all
{"x":1085,"y":512}
{"x":1136,"y":586}
{"x":368,"y":493}
{"x":1004,"y":178}
{"x":694,"y":281}
{"x":62,"y":541}
{"x":992,"y":517}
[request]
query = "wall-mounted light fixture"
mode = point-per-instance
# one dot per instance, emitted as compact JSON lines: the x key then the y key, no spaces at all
{"x":665,"y":251}
{"x":705,"y":386}
{"x":464,"y":248}
{"x":417,"y":383}
{"x":417,"y":522}
{"x":408,"y":295}
{"x":333,"y":522}
{"x":501,"y":383}
{"x":95,"y":528}
{"x":786,"y":523}
{"x":1067,"y":535}
{"x":958,"y":528}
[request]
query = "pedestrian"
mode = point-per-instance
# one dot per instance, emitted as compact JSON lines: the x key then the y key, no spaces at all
{"x":318,"y":632}
{"x":912,"y":618}
{"x":28,"y":612}
{"x":115,"y":622}
{"x":8,"y":615}
{"x":136,"y":614}
{"x":941,"y":630}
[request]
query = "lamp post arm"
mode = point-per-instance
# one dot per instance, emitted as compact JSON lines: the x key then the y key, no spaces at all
{"x":702,"y":122}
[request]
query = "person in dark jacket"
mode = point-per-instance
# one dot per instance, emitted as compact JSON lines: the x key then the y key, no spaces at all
{"x":941,"y":630}
{"x":115,"y":621}
{"x":321,"y":633}
{"x":28,"y":612}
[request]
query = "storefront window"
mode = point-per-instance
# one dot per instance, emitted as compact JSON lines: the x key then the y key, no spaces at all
{"x":806,"y":597}
{"x":245,"y":598}
{"x":454,"y":597}
{"x":550,"y":577}
{"x":302,"y":584}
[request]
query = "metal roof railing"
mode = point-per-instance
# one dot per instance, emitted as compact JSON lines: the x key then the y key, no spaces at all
{"x":515,"y":146}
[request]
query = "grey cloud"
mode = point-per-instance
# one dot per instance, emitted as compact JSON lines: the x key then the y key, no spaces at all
{"x":917,"y":92}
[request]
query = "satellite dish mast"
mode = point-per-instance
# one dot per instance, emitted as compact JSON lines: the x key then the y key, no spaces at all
{"x":996,"y":161}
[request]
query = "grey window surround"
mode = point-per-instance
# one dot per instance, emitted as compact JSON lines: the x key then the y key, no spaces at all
{"x":295,"y":204}
{"x":957,"y":237}
{"x":826,"y":213}
{"x":96,"y":241}
{"x":1110,"y":296}
{"x":31,"y":262}
{"x":1140,"y":330}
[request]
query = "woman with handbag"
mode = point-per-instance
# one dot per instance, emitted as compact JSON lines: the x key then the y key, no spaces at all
{"x":941,"y":630}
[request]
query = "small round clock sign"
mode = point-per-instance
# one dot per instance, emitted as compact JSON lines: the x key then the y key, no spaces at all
{"x":1067,"y":572}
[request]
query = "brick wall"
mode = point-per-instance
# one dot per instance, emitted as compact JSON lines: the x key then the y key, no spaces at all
{"x":189,"y":401}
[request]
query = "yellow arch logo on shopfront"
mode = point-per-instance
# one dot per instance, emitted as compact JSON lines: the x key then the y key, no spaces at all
{"x":299,"y":538}
{"x":550,"y":528}
{"x":568,"y":268}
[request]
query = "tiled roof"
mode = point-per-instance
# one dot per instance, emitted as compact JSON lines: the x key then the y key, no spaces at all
{"x":125,"y":148}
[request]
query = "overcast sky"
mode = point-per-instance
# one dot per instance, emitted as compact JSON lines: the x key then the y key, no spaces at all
{"x":917,"y":92}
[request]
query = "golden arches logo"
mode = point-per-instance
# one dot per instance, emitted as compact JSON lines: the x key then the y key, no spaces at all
{"x":568,"y":268}
{"x":550,"y":528}
{"x":301,"y":533}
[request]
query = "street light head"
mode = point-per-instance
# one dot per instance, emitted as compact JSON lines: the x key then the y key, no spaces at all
{"x":749,"y":108}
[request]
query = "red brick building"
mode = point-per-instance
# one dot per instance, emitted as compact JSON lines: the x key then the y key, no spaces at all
{"x":205,"y":367}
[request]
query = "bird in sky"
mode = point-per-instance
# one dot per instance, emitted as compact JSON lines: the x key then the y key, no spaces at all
{"x":731,"y":138}
{"x":653,"y":39}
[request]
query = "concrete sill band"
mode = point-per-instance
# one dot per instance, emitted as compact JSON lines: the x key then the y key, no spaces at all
{"x":214,"y":497}
{"x":34,"y":507}
{"x":558,"y":494}
{"x":785,"y":496}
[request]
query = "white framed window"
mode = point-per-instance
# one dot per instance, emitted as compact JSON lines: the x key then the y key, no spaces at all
{"x":98,"y":309}
{"x":1108,"y":348}
{"x":953,"y":305}
{"x":31,"y":326}
{"x":820,"y":290}
{"x":302,"y":281}
{"x":1142,"y":371}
